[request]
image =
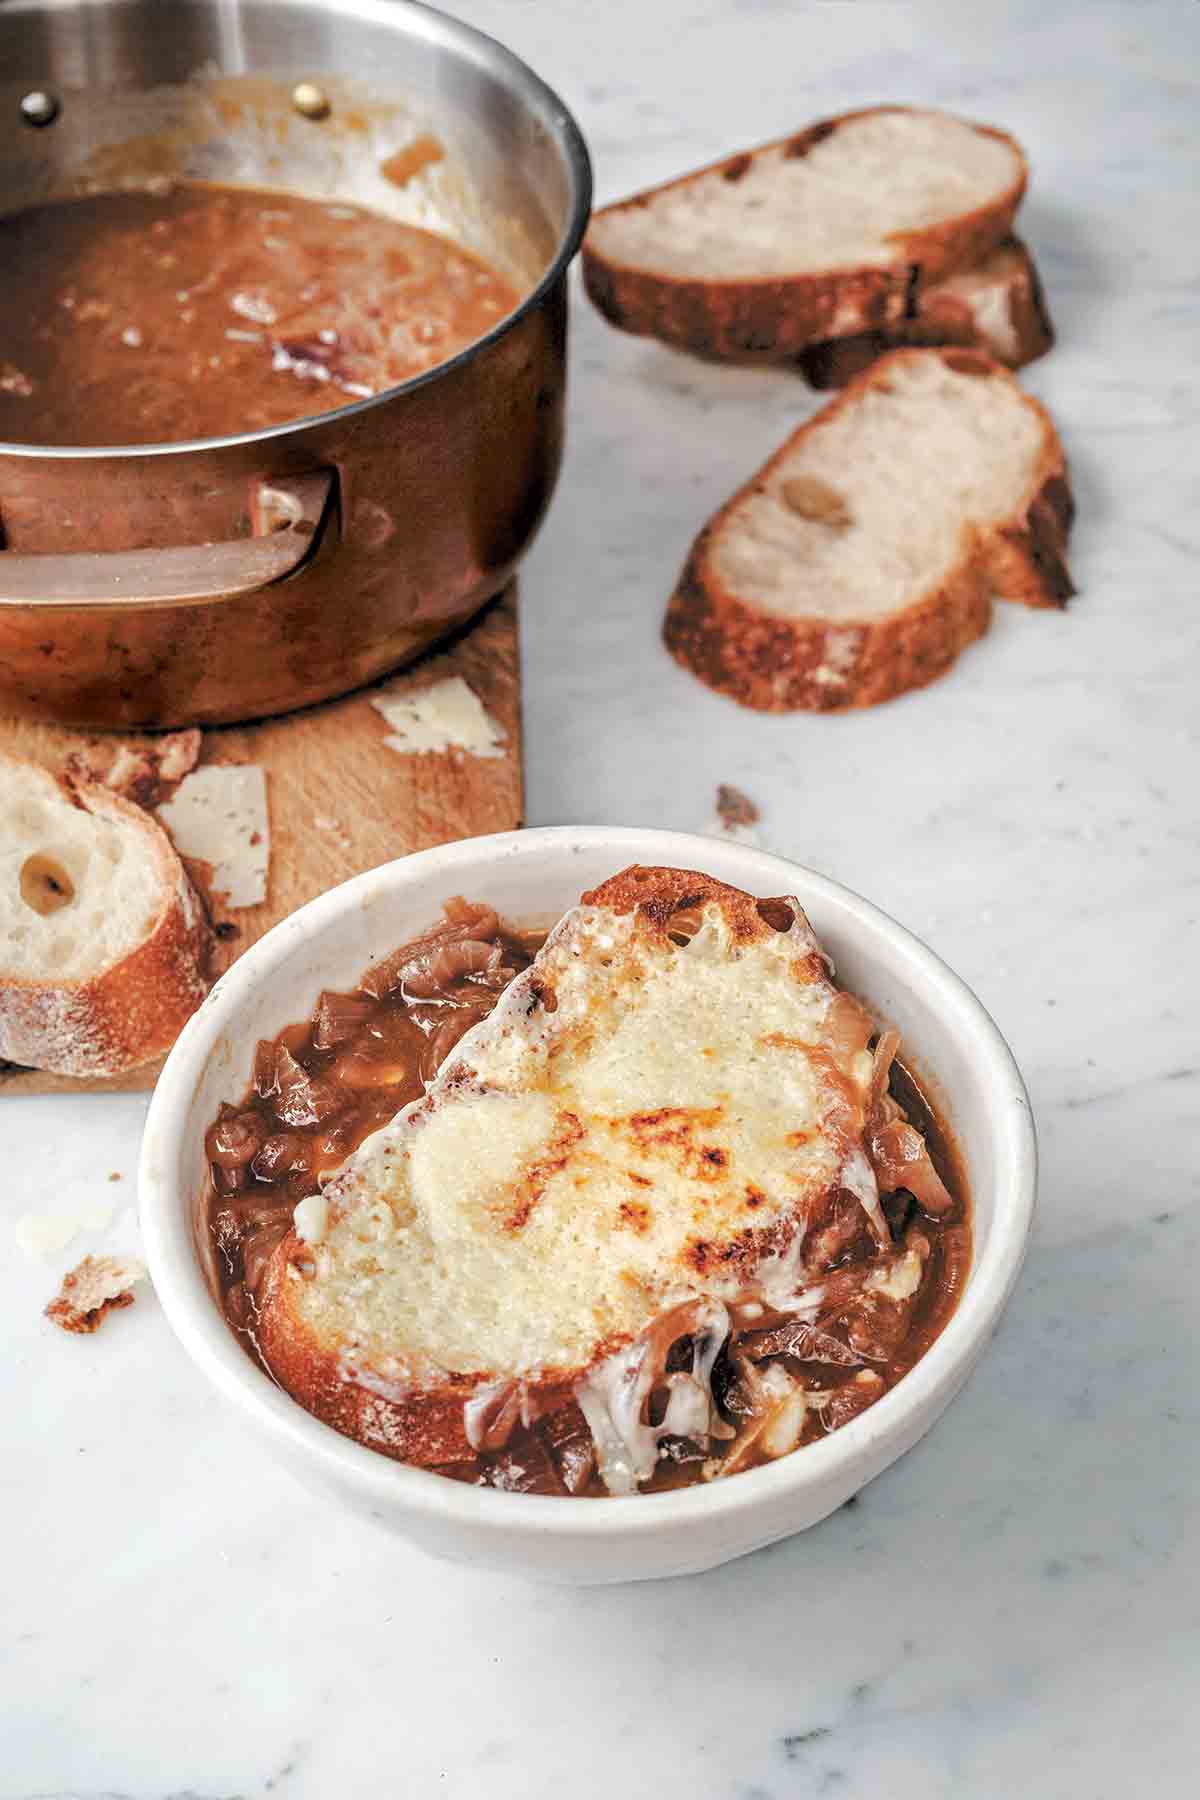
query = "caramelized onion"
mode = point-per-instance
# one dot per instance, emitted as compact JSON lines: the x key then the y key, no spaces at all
{"x":848,"y":1029}
{"x":805,"y":1342}
{"x":284,"y":1154}
{"x":448,"y":1034}
{"x":258,"y":1249}
{"x":417,"y":956}
{"x":234,"y":1140}
{"x":304,"y":1099}
{"x":434,"y":974}
{"x":338,"y":1017}
{"x":901,"y":1160}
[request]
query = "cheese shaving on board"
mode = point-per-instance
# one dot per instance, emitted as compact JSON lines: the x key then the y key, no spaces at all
{"x":218,"y":815}
{"x":447,"y":716}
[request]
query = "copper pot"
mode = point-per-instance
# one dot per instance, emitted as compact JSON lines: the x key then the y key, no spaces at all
{"x":231,"y":578}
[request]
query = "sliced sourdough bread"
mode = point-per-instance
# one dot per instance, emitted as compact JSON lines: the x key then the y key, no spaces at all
{"x":103,"y":942}
{"x":642,"y":1131}
{"x":862,"y":558}
{"x":815,"y":236}
{"x":997,"y":306}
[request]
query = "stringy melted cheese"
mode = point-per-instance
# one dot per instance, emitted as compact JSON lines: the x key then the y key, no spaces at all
{"x":658,"y":1136}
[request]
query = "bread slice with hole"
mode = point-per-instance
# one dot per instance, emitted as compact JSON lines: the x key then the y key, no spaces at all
{"x":862,"y":558}
{"x":998,"y":306}
{"x":649,"y":1120}
{"x":103,"y":942}
{"x":819,"y":235}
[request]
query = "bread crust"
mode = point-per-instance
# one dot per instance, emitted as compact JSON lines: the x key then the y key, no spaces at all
{"x":773,"y":664}
{"x":658,"y":893}
{"x":780,"y":316}
{"x":134,"y":1009}
{"x":422,"y":1422}
{"x":425,"y":1426}
{"x":938,"y":318}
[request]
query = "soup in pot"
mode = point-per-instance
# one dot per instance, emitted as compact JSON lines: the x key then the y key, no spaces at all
{"x":201,"y":312}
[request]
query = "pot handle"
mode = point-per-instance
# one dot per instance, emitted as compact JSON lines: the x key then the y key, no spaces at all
{"x":289,"y":518}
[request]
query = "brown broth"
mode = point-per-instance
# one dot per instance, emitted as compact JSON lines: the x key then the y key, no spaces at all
{"x":203,"y":311}
{"x":364,"y":1055}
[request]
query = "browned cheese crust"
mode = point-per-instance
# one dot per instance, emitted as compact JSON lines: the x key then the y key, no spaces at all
{"x":937,"y":319}
{"x":136,"y":1008}
{"x":767,"y":662}
{"x":425,"y":1425}
{"x":781,"y":316}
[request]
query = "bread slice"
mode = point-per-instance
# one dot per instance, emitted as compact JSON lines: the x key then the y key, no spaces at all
{"x":103,"y":943}
{"x":818,"y":235}
{"x":862,"y":558}
{"x":998,"y":307}
{"x":641,"y":1131}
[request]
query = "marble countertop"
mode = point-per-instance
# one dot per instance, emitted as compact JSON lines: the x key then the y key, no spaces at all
{"x":1014,"y":1607}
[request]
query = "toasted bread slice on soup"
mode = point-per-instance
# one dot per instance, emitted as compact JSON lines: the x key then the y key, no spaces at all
{"x":862,"y":558}
{"x":819,"y":235}
{"x":644,"y":1132}
{"x":997,"y":306}
{"x":103,"y":942}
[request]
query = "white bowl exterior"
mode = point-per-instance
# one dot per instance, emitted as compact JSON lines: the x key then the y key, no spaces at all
{"x":329,"y":943}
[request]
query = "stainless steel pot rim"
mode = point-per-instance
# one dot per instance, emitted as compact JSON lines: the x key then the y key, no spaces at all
{"x":435,"y":25}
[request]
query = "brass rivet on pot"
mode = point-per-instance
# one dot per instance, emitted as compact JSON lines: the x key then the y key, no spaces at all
{"x":40,"y":108}
{"x":311,"y":100}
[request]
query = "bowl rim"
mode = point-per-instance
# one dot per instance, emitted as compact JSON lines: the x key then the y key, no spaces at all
{"x":469,"y":42}
{"x":167,"y":1215}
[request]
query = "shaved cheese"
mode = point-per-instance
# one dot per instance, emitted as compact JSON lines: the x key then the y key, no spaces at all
{"x":218,"y":815}
{"x":446,"y":716}
{"x":42,"y":1234}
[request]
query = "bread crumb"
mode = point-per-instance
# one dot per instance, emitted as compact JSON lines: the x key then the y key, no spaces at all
{"x":735,"y":816}
{"x":144,"y":773}
{"x":735,"y":808}
{"x":94,"y":1288}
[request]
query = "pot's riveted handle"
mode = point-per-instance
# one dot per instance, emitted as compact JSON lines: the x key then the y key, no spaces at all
{"x":290,"y":516}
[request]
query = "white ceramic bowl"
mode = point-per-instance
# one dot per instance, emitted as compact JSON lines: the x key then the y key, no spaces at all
{"x":533,"y":873}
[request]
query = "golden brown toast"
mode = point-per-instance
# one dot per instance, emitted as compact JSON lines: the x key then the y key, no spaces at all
{"x":638,"y":1137}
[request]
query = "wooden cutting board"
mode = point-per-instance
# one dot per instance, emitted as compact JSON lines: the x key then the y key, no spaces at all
{"x":340,"y":801}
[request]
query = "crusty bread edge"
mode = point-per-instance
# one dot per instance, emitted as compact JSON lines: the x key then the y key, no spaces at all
{"x":774,"y":664}
{"x":781,"y":315}
{"x":134,"y":1009}
{"x":937,"y":320}
{"x":424,"y":1425}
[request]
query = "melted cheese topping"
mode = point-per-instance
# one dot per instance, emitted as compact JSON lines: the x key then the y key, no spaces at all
{"x":636,"y":1125}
